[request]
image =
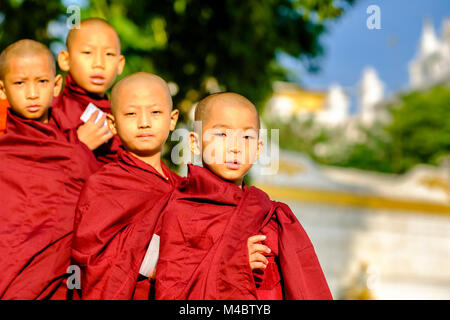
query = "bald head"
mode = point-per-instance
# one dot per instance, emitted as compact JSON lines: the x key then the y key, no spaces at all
{"x":21,"y":49}
{"x":95,"y":24}
{"x":135,"y":81}
{"x":222,"y":100}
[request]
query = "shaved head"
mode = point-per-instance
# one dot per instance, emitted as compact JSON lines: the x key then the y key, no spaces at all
{"x":134,"y":80}
{"x":222,"y":100}
{"x":24,"y":48}
{"x":88,"y":23}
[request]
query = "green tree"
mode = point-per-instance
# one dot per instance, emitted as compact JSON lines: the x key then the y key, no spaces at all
{"x":203,"y":46}
{"x":420,"y":129}
{"x":21,"y":19}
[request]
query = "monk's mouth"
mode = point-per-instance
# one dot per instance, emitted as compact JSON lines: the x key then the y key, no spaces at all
{"x":233,"y":165}
{"x":34,"y":108}
{"x":97,"y":79}
{"x":145,"y":136}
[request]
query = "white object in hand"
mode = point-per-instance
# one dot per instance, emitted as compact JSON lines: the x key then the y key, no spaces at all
{"x":151,"y":257}
{"x":89,"y":111}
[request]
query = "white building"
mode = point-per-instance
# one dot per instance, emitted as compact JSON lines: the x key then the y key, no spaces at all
{"x":337,"y":107}
{"x":388,"y":235}
{"x":371,"y":93}
{"x":431,"y":64}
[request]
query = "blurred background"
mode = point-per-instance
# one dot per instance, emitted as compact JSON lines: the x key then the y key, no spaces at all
{"x":358,"y":91}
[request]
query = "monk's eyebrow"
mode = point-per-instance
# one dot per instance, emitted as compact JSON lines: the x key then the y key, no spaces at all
{"x":216,"y":126}
{"x":154,"y":105}
{"x":90,"y":46}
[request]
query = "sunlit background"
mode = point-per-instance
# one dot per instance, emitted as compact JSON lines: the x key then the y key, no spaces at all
{"x":360,"y":99}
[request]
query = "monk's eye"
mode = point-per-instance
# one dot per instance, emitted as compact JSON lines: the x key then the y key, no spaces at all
{"x":130,"y":114}
{"x":249,"y":137}
{"x":43,"y":81}
{"x":111,"y":54}
{"x":156,"y":112}
{"x":19,"y":83}
{"x":86,"y":52}
{"x":220,"y":134}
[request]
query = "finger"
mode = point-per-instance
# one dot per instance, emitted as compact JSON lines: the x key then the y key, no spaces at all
{"x":258,"y":257}
{"x":108,"y":135}
{"x":101,"y":122}
{"x":101,"y":131}
{"x":257,"y":265}
{"x":93,"y":117}
{"x":257,"y":238}
{"x":260,"y":248}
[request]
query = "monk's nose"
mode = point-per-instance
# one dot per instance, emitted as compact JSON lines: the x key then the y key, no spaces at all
{"x":99,"y":60}
{"x":32,"y":91}
{"x":144,"y":121}
{"x":233,"y":143}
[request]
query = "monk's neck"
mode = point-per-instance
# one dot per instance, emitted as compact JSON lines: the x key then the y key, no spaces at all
{"x":238,"y":182}
{"x":154,"y":160}
{"x":42,"y":119}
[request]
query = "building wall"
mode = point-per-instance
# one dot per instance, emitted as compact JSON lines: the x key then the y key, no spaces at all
{"x":407,"y":253}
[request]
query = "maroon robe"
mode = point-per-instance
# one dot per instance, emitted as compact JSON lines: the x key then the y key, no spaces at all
{"x":4,"y":105}
{"x":72,"y":102}
{"x":116,"y":218}
{"x":203,"y":245}
{"x":41,"y":176}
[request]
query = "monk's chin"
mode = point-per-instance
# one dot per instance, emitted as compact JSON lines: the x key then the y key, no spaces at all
{"x":231,"y":175}
{"x":41,"y":116}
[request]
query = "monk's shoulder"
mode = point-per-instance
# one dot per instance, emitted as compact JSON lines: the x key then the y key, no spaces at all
{"x":106,"y":177}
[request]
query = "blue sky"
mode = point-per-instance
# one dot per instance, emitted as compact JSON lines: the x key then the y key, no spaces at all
{"x":350,"y":46}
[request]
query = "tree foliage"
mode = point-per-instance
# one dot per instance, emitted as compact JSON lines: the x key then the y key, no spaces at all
{"x":420,"y":130}
{"x":206,"y":46}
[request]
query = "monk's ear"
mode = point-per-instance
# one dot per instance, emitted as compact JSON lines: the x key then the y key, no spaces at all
{"x":58,"y":85}
{"x":121,"y":64}
{"x":173,"y":119}
{"x":2,"y":90}
{"x":111,"y":123}
{"x":194,"y":143}
{"x":63,"y":60}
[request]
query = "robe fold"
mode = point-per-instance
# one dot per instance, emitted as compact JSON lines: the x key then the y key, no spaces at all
{"x":3,"y":113}
{"x":116,"y":217}
{"x":203,"y":245}
{"x":41,"y":176}
{"x":71,"y":103}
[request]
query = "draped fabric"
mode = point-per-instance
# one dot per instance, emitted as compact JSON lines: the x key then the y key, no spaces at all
{"x":116,"y":218}
{"x":42,"y":174}
{"x":203,"y":245}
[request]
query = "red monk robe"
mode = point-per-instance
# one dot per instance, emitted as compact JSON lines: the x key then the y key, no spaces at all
{"x":41,"y":176}
{"x":115,"y":221}
{"x":203,"y":245}
{"x":3,"y":113}
{"x":72,"y":102}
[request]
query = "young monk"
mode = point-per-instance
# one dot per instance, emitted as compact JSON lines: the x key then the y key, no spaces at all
{"x":93,"y":61}
{"x":203,"y":249}
{"x":120,"y":204}
{"x":41,"y":175}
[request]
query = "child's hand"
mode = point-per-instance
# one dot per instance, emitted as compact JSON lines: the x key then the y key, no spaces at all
{"x":94,"y":134}
{"x":255,"y":252}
